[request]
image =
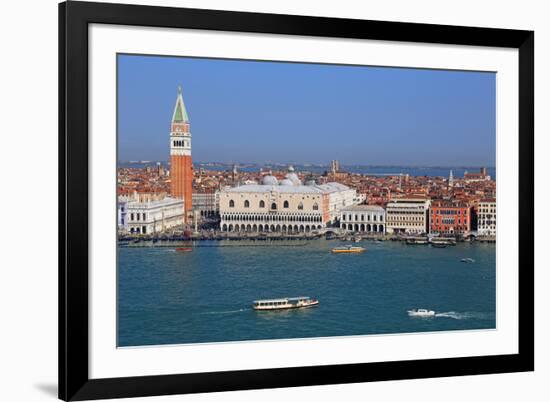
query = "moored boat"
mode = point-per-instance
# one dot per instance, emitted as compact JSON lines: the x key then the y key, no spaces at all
{"x":443,"y":241}
{"x":347,"y":250}
{"x":184,"y":249}
{"x":286,"y":303}
{"x":416,"y":240}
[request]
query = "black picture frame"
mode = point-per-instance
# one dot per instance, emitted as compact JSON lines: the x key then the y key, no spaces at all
{"x":74,"y":18}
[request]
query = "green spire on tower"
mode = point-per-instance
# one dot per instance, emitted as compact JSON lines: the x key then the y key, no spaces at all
{"x":180,"y":113}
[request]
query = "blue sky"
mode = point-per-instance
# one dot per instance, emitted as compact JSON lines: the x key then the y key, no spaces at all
{"x":247,"y":111}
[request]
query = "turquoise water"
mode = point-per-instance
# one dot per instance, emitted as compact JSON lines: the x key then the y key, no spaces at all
{"x":165,"y":297}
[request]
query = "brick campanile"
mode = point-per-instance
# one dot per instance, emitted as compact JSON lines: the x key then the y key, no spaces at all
{"x":181,"y":165}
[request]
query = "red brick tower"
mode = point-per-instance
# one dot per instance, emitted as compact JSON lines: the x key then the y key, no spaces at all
{"x":181,"y":165}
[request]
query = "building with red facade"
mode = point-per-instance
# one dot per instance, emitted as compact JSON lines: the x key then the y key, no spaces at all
{"x":450,"y":217}
{"x":181,"y":164}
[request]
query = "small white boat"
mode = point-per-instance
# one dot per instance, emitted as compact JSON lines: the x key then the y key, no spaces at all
{"x":284,"y":303}
{"x":421,"y":312}
{"x":469,"y":260}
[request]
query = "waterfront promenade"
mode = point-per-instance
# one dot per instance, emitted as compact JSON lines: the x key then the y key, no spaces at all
{"x":327,"y":233}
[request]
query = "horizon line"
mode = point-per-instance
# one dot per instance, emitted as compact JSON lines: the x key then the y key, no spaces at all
{"x":144,"y":161}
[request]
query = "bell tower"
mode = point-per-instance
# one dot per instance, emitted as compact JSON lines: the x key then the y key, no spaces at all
{"x":181,"y":164}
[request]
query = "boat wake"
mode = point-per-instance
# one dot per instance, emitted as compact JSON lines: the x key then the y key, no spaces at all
{"x":225,"y":312}
{"x":462,"y":316}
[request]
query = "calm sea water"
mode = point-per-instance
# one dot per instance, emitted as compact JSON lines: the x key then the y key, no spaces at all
{"x":165,"y":297}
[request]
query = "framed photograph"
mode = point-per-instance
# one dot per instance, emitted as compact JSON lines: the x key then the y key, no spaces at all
{"x":258,"y":201}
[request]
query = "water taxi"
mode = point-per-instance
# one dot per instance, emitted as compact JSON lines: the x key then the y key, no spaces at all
{"x":285,"y":303}
{"x":421,"y":312}
{"x":347,"y":250}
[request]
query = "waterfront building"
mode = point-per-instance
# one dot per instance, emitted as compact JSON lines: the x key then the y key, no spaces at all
{"x":149,"y":213}
{"x":122,"y":214}
{"x":206,"y":202}
{"x":363,"y":218}
{"x":181,"y":165}
{"x":450,"y":217}
{"x":487,"y":217}
{"x":338,"y":196}
{"x":287,"y":206}
{"x":407,"y":215}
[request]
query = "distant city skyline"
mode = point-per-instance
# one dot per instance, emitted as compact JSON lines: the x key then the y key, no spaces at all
{"x":280,"y":113}
{"x":292,"y":163}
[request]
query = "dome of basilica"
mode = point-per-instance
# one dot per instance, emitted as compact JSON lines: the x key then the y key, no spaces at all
{"x":286,"y":182}
{"x":311,"y":182}
{"x":293,"y":177}
{"x":270,"y":180}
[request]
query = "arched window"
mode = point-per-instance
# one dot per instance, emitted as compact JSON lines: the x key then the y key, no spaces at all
{"x":262,"y":204}
{"x":285,"y":205}
{"x":273,"y":205}
{"x":300,"y":206}
{"x":246,"y":204}
{"x":231,"y":204}
{"x":315,"y":207}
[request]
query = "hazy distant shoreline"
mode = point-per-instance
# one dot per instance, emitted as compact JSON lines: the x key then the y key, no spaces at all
{"x":458,"y":171}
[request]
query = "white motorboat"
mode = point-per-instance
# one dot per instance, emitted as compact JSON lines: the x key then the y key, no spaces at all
{"x":421,"y":312}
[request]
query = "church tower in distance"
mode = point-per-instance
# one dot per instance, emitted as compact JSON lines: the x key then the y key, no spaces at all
{"x":181,"y":165}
